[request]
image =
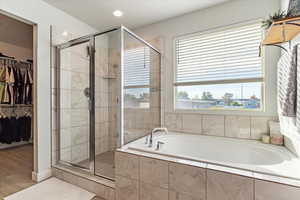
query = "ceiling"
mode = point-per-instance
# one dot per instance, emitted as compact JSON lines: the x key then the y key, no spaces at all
{"x":98,"y":13}
{"x":15,"y":32}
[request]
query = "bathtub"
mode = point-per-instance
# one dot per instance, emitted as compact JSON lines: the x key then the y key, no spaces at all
{"x":249,"y":155}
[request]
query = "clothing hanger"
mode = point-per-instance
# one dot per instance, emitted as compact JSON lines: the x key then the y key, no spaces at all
{"x":5,"y":56}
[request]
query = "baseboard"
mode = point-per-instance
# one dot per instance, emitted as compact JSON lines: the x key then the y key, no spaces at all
{"x":40,"y":176}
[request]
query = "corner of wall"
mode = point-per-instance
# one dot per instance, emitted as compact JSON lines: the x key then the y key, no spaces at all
{"x":40,"y":176}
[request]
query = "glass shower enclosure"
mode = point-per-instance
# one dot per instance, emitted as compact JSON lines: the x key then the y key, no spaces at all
{"x":107,"y":94}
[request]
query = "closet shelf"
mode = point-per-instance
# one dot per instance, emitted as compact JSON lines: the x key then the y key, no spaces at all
{"x":16,"y":105}
{"x":281,"y":31}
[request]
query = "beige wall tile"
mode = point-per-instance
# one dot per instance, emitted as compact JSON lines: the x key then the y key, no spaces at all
{"x":173,"y":121}
{"x":126,"y":189}
{"x":65,"y":155}
{"x":179,"y":196}
{"x":237,"y":127}
{"x":79,"y":152}
{"x":213,"y":125}
{"x":272,"y":191}
{"x":79,"y":135}
{"x":149,"y":192}
{"x":65,"y":98}
{"x":78,"y":100}
{"x":187,"y":180}
{"x":227,"y":186}
{"x":79,"y":117}
{"x":127,"y":165}
{"x":259,"y":126}
{"x":106,"y":192}
{"x":65,"y":138}
{"x":154,"y":172}
{"x":192,"y":123}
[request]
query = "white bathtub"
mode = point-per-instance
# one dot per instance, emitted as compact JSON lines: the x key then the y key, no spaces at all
{"x":235,"y":153}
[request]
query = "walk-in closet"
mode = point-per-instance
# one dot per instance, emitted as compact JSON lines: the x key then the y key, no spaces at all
{"x":16,"y":105}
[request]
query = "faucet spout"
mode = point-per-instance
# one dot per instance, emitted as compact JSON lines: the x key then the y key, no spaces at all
{"x":160,"y":129}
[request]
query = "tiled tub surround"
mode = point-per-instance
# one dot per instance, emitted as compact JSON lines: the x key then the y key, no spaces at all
{"x":144,"y":176}
{"x":248,"y":155}
{"x":233,"y":126}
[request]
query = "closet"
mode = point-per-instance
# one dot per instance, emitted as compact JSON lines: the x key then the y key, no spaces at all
{"x":16,"y":100}
{"x":16,"y":82}
{"x":16,"y":104}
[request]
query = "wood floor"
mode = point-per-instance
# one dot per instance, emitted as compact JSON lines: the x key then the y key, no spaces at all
{"x":16,"y":165}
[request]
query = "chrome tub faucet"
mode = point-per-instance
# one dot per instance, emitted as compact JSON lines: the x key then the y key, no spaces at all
{"x":150,"y":137}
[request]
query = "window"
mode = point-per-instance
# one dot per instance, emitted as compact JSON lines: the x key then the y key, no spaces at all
{"x":137,"y":77}
{"x":220,"y":70}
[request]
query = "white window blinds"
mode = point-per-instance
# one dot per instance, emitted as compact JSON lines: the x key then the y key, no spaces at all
{"x":221,"y":55}
{"x":137,"y":67}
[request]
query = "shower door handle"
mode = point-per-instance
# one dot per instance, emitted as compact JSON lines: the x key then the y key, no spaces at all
{"x":90,"y":104}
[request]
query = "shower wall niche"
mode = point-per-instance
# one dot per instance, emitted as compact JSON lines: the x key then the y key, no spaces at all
{"x":107,"y":88}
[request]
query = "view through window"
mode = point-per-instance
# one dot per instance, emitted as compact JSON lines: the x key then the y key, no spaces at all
{"x":137,"y":77}
{"x":220,"y":70}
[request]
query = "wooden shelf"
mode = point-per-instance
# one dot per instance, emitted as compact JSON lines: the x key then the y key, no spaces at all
{"x":282,"y":31}
{"x":15,"y":105}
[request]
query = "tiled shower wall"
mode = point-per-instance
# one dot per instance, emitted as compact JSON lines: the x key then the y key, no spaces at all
{"x":102,"y":94}
{"x":74,"y":69}
{"x":74,"y":122}
{"x":74,"y":118}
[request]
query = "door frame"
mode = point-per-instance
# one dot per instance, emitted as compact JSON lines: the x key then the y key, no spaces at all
{"x":35,"y":134}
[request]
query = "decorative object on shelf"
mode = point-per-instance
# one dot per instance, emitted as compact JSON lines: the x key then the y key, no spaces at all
{"x":275,"y":133}
{"x":266,"y":139}
{"x":277,"y":140}
{"x":280,"y":14}
{"x":294,"y":7}
{"x":282,"y":31}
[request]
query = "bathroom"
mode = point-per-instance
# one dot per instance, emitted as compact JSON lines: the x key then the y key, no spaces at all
{"x":172,"y":100}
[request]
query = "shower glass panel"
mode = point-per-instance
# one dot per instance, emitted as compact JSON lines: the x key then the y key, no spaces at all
{"x":141,"y":84}
{"x":108,"y":94}
{"x":74,"y":100}
{"x":107,"y":81}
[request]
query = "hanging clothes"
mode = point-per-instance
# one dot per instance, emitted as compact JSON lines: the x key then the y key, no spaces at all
{"x":16,"y":80}
{"x":2,"y":79}
{"x":15,"y":129}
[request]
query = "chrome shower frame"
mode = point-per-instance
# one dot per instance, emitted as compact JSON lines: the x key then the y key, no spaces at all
{"x":120,"y":115}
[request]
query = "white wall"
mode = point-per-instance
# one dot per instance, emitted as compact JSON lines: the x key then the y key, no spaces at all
{"x":229,"y":13}
{"x":44,"y":15}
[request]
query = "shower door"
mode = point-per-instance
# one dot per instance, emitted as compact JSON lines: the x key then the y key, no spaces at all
{"x":75,"y":100}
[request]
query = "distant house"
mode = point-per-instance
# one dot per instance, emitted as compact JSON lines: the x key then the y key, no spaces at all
{"x":202,"y":104}
{"x":195,"y":103}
